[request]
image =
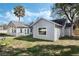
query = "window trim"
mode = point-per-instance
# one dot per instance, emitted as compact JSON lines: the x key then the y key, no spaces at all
{"x":41,"y":31}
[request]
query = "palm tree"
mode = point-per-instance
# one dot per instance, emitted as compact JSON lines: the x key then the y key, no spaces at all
{"x":19,"y":11}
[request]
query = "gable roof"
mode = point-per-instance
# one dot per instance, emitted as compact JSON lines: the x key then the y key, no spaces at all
{"x":18,"y":24}
{"x":60,"y":21}
{"x":45,"y":20}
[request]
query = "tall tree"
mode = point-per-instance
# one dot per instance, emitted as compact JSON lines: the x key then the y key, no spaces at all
{"x":19,"y":11}
{"x":69,"y":10}
{"x":77,"y":23}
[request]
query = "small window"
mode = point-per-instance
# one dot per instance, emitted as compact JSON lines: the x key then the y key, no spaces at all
{"x":15,"y":31}
{"x":20,"y":30}
{"x":42,"y":31}
{"x":26,"y":31}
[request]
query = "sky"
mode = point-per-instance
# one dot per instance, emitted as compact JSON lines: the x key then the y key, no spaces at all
{"x":32,"y":12}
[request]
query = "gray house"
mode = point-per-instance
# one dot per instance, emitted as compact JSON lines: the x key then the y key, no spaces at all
{"x":51,"y":30}
{"x":18,"y":29}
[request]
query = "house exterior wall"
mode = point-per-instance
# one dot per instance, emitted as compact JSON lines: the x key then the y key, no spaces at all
{"x":18,"y":33}
{"x":57,"y":32}
{"x":50,"y":33}
{"x":1,"y":27}
{"x":62,"y":32}
{"x":9,"y":30}
{"x":25,"y":31}
{"x":68,"y":31}
{"x":3,"y":31}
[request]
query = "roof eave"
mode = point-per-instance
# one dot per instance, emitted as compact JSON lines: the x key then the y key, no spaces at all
{"x":46,"y":20}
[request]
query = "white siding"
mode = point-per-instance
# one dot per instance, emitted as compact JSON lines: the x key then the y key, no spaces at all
{"x":62,"y":32}
{"x":10,"y":31}
{"x":68,"y":31}
{"x":18,"y":33}
{"x":3,"y":31}
{"x":50,"y":34}
{"x":57,"y":32}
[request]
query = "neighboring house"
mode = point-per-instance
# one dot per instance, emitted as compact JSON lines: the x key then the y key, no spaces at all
{"x":51,"y":30}
{"x":18,"y":29}
{"x":66,"y":29}
{"x":3,"y":28}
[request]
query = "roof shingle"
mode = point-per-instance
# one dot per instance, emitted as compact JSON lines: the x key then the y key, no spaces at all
{"x":19,"y":24}
{"x":59,"y":21}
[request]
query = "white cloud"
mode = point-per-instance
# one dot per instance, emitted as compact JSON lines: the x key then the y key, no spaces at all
{"x":38,"y":14}
{"x":10,"y":16}
{"x":45,"y":14}
{"x":33,"y":15}
{"x":29,"y":16}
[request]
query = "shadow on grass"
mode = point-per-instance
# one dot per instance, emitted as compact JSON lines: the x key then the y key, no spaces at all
{"x":5,"y":35}
{"x":70,"y":38}
{"x":30,"y":38}
{"x":44,"y":50}
{"x":53,"y":50}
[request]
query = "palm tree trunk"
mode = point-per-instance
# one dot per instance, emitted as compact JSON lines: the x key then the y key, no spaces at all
{"x":19,"y":19}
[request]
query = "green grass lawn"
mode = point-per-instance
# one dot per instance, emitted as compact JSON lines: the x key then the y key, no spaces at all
{"x":28,"y":46}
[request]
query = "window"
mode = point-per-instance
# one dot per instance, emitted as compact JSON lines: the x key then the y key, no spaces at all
{"x":42,"y":31}
{"x":13,"y":30}
{"x":27,"y":31}
{"x":20,"y":30}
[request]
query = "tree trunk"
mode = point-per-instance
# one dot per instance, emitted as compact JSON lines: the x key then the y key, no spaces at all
{"x":19,"y":19}
{"x":72,"y":33}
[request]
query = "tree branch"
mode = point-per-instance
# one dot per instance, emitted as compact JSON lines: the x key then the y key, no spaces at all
{"x":66,"y":14}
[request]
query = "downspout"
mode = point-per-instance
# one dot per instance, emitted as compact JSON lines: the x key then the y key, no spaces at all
{"x":54,"y":33}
